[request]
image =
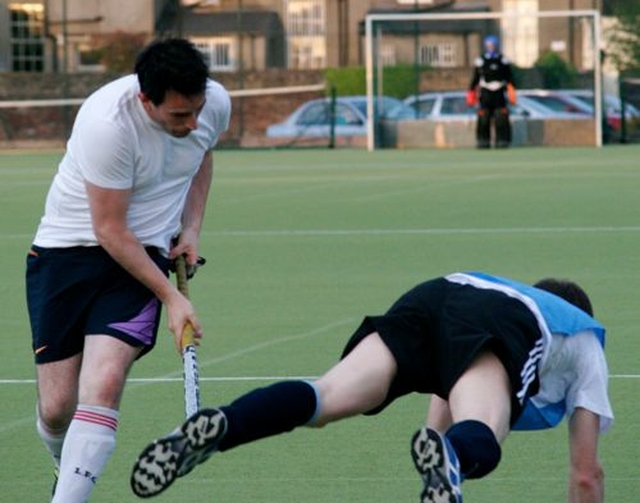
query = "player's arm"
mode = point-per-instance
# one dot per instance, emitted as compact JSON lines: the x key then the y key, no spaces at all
{"x":193,"y":214}
{"x":109,"y":217}
{"x":586,"y":476}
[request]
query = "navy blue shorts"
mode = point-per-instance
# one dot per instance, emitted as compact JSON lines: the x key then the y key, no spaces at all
{"x":79,"y":291}
{"x":437,"y":329}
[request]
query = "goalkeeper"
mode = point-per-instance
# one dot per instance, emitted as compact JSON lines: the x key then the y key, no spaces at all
{"x":496,"y":355}
{"x":492,"y":86}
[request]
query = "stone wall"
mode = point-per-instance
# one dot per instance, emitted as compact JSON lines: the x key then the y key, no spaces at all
{"x":525,"y":132}
{"x":35,"y":126}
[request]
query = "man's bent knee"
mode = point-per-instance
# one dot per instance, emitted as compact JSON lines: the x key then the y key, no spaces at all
{"x":58,"y":392}
{"x":56,"y":416}
{"x":476,"y":446}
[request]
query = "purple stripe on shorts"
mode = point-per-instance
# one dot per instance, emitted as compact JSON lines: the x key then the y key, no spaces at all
{"x":142,"y":326}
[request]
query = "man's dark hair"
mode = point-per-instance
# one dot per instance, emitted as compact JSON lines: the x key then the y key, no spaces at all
{"x":171,"y":64}
{"x":569,"y":291}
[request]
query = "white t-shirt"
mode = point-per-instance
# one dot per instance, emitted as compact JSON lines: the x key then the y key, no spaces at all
{"x":574,"y":374}
{"x":116,"y":145}
{"x":568,"y":359}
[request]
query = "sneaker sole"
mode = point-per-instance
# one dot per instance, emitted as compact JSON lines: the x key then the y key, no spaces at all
{"x":429,"y":458}
{"x":175,"y":455}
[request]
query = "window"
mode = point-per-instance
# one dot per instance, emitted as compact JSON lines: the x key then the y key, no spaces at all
{"x":441,"y":55}
{"x":27,"y":37}
{"x":306,"y":33}
{"x":346,"y":116}
{"x":219,"y":52}
{"x":89,"y":58}
{"x":456,"y":105}
{"x":317,"y":113}
{"x":425,"y":106}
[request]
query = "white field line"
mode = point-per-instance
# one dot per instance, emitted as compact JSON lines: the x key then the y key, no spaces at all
{"x":163,"y":380}
{"x":177,"y":375}
{"x":252,"y":349}
{"x":421,"y":232}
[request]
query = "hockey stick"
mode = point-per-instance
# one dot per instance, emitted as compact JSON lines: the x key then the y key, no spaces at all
{"x":187,"y":342}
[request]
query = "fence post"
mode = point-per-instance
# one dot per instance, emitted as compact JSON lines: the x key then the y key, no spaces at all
{"x":332,"y":118}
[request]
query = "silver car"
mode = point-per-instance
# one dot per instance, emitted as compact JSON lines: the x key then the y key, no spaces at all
{"x":313,"y":118}
{"x":452,"y":105}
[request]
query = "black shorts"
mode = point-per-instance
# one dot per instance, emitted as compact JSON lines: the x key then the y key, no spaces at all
{"x":73,"y":292}
{"x":438,"y":328}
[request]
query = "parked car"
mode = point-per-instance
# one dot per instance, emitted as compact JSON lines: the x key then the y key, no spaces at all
{"x":452,"y":105}
{"x":559,"y":102}
{"x":612,"y":106}
{"x":313,"y":118}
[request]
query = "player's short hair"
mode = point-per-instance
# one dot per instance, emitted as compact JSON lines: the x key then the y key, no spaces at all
{"x":569,"y":291}
{"x":171,"y":64}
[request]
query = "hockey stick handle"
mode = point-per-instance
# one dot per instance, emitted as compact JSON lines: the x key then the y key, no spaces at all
{"x":189,"y":356}
{"x":182,"y":281}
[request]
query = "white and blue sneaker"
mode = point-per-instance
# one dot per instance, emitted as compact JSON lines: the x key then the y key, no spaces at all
{"x":176,"y":454}
{"x":437,"y":463}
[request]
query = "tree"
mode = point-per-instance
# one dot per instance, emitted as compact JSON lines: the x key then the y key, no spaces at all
{"x":624,"y":37}
{"x":556,"y":73}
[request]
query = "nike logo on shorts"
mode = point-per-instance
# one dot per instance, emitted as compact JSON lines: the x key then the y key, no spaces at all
{"x":40,"y":349}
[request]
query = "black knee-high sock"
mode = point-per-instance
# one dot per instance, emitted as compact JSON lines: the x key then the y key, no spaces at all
{"x":476,"y":446}
{"x":268,"y":411}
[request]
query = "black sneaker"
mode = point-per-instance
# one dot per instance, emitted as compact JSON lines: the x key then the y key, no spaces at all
{"x":176,"y":454}
{"x":437,"y":463}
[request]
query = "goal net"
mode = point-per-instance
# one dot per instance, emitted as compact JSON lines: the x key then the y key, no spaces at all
{"x":555,"y":57}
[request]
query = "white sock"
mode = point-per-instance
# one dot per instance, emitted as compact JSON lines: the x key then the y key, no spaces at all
{"x":52,"y":441}
{"x":89,"y":443}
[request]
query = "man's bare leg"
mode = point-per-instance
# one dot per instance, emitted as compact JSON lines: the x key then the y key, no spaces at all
{"x":91,"y":436}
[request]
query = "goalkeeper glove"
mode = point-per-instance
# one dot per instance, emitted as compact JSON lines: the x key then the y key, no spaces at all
{"x":511,"y":94}
{"x":472,"y":97}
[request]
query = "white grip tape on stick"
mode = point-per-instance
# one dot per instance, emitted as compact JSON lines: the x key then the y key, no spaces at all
{"x":191,"y":385}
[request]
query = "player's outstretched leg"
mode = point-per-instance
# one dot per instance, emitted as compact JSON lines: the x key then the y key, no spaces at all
{"x":437,"y":463}
{"x":175,"y":455}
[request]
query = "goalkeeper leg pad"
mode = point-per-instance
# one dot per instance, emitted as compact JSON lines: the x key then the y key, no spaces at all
{"x":483,"y":128}
{"x":503,"y":128}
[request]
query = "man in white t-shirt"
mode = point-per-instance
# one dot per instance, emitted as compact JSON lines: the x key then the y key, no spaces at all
{"x":494,"y":353}
{"x":135,"y":175}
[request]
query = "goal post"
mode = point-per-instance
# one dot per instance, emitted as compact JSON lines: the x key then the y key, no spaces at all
{"x":372,"y":21}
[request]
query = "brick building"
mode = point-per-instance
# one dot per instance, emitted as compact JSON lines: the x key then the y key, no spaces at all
{"x":66,"y":35}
